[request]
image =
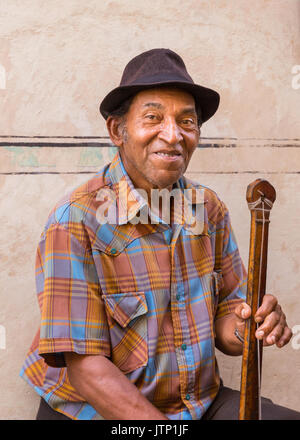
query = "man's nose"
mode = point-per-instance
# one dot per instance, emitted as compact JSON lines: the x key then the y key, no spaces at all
{"x":170,"y":132}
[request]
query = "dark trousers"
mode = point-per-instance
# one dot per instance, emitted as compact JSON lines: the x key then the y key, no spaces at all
{"x":45,"y":412}
{"x":227,"y":402}
{"x":224,"y":407}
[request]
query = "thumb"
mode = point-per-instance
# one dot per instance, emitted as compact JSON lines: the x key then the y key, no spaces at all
{"x":242,"y":312}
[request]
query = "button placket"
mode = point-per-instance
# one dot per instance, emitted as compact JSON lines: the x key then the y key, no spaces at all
{"x":179,"y":314}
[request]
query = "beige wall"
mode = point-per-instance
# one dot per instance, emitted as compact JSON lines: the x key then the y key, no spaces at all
{"x":58,"y":59}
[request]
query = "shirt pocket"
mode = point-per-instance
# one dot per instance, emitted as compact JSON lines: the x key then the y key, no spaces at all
{"x":127,"y":320}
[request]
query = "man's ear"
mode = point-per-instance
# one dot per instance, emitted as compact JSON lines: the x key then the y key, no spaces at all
{"x":114,"y":128}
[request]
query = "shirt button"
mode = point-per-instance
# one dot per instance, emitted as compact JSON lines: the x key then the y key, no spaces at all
{"x":113,"y":251}
{"x":187,"y":397}
{"x":183,"y":346}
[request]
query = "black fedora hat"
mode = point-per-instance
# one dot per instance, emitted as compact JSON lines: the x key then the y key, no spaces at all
{"x":156,"y":68}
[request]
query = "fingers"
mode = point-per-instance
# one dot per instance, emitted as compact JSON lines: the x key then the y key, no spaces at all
{"x":268,"y":305}
{"x":274,"y":329}
{"x":272,"y":321}
{"x":280,"y":336}
{"x":285,"y":338}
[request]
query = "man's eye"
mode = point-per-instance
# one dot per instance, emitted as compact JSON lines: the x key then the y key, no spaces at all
{"x":188,"y":122}
{"x":151,"y":117}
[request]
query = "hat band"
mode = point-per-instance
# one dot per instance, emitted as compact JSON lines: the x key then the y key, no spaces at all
{"x":159,"y":79}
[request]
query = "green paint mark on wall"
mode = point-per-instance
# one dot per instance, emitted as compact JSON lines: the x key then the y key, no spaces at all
{"x":90,"y":156}
{"x":24,"y":157}
{"x":112,"y":151}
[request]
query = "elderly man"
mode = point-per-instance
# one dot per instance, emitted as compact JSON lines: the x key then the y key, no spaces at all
{"x":131,"y":310}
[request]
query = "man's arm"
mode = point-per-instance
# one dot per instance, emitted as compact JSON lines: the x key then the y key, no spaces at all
{"x":108,"y":390}
{"x":273,"y":328}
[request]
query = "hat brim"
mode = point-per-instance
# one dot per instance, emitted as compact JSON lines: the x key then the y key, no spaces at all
{"x":206,"y":98}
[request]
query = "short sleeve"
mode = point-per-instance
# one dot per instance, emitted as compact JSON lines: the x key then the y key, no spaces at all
{"x":233,"y":285}
{"x":73,"y":317}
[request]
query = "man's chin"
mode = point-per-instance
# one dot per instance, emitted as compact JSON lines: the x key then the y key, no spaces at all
{"x":166,"y":181}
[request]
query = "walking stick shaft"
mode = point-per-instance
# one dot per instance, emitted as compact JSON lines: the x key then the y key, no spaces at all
{"x":260,"y":197}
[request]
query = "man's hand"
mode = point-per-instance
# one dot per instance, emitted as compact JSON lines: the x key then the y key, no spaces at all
{"x":273,"y":328}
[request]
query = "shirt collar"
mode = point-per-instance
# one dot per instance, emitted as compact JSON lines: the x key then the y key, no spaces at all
{"x":130,"y":201}
{"x":128,"y":198}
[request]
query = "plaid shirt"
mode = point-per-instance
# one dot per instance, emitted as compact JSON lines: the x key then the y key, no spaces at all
{"x":144,"y":295}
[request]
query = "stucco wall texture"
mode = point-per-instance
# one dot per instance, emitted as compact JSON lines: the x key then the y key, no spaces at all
{"x":59,"y":59}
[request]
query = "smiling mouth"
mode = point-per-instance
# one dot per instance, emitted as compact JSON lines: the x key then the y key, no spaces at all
{"x":171,"y":155}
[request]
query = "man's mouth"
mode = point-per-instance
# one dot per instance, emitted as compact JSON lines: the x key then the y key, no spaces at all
{"x":168,"y":154}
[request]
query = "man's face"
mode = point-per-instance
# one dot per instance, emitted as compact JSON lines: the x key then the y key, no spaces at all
{"x":159,"y":137}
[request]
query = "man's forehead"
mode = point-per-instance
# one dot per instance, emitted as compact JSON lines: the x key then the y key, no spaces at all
{"x":159,"y":97}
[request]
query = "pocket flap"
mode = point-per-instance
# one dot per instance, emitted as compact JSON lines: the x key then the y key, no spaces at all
{"x":124,"y":307}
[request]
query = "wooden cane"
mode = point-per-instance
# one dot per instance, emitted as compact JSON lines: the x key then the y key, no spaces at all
{"x":260,"y":197}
